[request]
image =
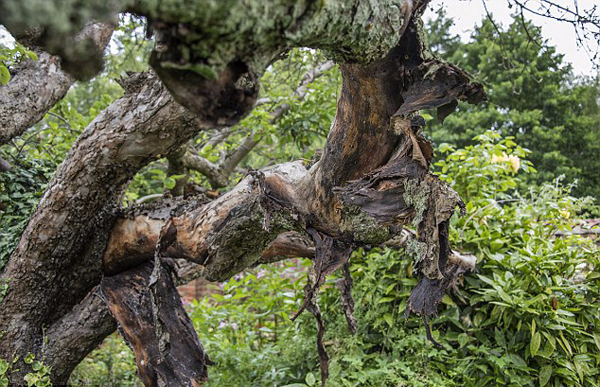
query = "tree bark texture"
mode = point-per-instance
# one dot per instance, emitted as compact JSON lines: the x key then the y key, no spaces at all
{"x":371,"y":180}
{"x":38,"y":85}
{"x":152,"y":319}
{"x":59,"y":254}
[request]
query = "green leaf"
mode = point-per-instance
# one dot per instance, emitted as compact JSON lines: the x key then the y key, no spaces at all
{"x":499,"y":337}
{"x":31,"y":379}
{"x":4,"y":75}
{"x":29,"y":358}
{"x":545,"y":374}
{"x":310,"y":379}
{"x":31,"y":55}
{"x":169,"y":183}
{"x":3,"y":366}
{"x":388,"y":319}
{"x":534,"y":346}
{"x":517,"y":360}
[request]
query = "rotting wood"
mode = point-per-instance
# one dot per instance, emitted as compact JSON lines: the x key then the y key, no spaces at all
{"x":155,"y":325}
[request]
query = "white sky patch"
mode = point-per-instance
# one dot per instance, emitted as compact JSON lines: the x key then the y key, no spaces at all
{"x":6,"y":38}
{"x":468,"y":13}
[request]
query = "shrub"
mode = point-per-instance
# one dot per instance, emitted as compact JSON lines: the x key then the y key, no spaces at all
{"x":528,"y":316}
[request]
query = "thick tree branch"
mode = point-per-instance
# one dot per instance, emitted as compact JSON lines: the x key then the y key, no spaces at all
{"x":154,"y":323}
{"x":76,"y":334}
{"x":225,"y":236}
{"x":38,"y":85}
{"x":65,"y":238}
{"x":176,"y":168}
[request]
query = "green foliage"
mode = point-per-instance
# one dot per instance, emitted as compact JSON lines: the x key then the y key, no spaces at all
{"x":10,"y":56}
{"x":247,"y":330}
{"x":528,"y":316}
{"x":39,"y":376}
{"x":40,"y":373}
{"x":533,"y":96}
{"x":486,"y":170}
{"x":3,"y":373}
{"x":112,"y":364}
{"x":20,"y":190}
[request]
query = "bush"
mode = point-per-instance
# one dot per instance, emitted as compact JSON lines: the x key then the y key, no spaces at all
{"x":528,"y":316}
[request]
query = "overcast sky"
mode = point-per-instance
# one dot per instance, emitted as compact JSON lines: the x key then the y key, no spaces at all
{"x":467,"y":13}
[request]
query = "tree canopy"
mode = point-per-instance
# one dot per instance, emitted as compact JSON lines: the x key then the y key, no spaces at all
{"x":532,"y":96}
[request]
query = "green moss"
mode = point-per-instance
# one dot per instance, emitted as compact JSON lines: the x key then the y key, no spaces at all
{"x":363,"y":227}
{"x":240,"y":243}
{"x":218,"y":32}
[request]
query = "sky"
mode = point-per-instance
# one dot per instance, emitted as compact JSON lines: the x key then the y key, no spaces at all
{"x":468,"y":13}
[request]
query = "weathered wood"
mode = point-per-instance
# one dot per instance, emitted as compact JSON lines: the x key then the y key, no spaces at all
{"x":225,"y":236}
{"x":38,"y":85}
{"x":155,"y":325}
{"x":58,"y":259}
{"x":371,"y":179}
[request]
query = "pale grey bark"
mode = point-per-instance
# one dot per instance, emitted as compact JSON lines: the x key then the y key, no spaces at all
{"x":37,"y":85}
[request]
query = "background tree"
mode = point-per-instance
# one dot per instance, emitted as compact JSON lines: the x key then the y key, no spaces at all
{"x":533,"y":96}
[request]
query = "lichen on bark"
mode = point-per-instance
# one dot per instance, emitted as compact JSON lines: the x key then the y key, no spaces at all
{"x":362,"y":226}
{"x":210,"y":35}
{"x":416,"y":195}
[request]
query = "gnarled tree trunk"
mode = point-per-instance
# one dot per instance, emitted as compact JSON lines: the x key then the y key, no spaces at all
{"x":83,"y":260}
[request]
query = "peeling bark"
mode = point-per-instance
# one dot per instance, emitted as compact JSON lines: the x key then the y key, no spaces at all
{"x":225,"y":236}
{"x":372,"y":179}
{"x":38,"y":85}
{"x":156,"y":327}
{"x":344,"y":284}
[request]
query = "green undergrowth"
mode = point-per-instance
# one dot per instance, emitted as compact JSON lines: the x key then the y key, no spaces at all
{"x":528,"y":316}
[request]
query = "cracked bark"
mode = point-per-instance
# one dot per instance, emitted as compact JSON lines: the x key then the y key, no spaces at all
{"x":59,"y":254}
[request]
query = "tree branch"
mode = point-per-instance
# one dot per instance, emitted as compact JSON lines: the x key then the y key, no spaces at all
{"x":76,"y":334}
{"x":26,"y":99}
{"x":59,"y":254}
{"x":218,"y":174}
